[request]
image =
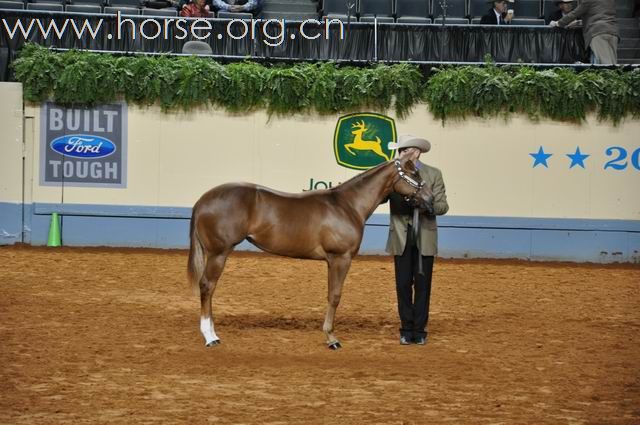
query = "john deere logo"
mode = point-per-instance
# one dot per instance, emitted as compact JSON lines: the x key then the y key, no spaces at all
{"x":361,"y":140}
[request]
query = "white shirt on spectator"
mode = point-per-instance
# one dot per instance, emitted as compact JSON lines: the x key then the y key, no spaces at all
{"x":498,"y":15}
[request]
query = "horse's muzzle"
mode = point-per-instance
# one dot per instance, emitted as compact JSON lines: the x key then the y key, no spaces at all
{"x":423,"y":203}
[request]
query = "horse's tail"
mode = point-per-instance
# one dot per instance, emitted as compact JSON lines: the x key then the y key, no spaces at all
{"x":196,"y":264}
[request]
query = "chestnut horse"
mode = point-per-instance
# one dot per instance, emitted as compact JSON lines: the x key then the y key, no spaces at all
{"x":320,"y":225}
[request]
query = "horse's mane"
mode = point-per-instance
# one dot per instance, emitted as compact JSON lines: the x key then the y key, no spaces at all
{"x":353,"y":181}
{"x":360,"y":177}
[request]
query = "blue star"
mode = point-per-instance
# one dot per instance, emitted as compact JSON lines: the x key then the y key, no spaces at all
{"x":577,"y":158}
{"x":540,"y":157}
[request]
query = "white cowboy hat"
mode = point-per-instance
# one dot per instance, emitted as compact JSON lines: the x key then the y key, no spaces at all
{"x":409,"y":141}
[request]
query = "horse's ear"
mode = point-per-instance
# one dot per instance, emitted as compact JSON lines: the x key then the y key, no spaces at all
{"x":410,"y":166}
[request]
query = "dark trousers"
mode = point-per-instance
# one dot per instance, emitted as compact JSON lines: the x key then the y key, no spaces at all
{"x":413,"y":289}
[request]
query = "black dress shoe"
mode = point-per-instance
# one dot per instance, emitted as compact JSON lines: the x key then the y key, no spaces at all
{"x":421,"y":340}
{"x":405,"y":340}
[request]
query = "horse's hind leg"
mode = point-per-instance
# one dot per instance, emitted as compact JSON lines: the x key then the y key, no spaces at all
{"x":338,"y":268}
{"x":212,"y":272}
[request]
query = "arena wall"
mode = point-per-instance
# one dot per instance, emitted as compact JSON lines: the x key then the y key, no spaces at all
{"x":11,"y":163}
{"x":502,"y":206}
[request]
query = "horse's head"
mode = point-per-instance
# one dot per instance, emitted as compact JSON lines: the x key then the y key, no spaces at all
{"x":410,"y":184}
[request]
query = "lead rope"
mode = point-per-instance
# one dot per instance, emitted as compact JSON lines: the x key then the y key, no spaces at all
{"x":416,"y":238}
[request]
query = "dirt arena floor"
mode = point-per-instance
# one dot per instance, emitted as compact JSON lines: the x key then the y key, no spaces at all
{"x":101,"y":336}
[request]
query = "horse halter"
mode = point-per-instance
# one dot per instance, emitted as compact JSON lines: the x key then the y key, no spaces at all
{"x":410,"y":181}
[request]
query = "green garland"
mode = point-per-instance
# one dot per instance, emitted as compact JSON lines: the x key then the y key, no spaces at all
{"x":325,"y":88}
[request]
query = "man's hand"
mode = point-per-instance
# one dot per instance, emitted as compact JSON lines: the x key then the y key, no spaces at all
{"x":553,"y":24}
{"x":236,"y":8}
{"x":509,"y":17}
{"x":427,"y":204}
{"x":428,"y":208}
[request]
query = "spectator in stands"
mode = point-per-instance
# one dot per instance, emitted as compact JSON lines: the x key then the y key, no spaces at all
{"x":196,"y":9}
{"x":600,"y":28}
{"x":564,"y":7}
{"x":238,"y":6}
{"x":498,"y":14}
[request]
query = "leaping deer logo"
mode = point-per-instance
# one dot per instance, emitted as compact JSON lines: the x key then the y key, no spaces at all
{"x":364,"y":145}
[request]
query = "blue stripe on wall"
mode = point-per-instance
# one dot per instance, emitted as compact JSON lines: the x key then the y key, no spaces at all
{"x":459,"y":237}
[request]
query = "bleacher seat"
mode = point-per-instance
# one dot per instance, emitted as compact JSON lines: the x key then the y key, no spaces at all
{"x":413,"y":20}
{"x":83,"y":8}
{"x":53,"y":7}
{"x":288,"y":16}
{"x":233,"y":15}
{"x":381,"y":19}
{"x":339,"y":7}
{"x":11,"y":5}
{"x":526,"y":9}
{"x":339,"y":16}
{"x":413,"y":11}
{"x":475,"y":21}
{"x":379,"y":8}
{"x":124,"y":3}
{"x":478,"y":8}
{"x":455,"y":8}
{"x":91,"y":2}
{"x":527,"y":21}
{"x":451,"y":21}
{"x":112,"y":10}
{"x":159,"y":12}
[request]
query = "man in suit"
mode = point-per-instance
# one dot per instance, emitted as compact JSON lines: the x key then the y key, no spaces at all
{"x":414,"y":289}
{"x":498,"y":14}
{"x":563,"y":8}
{"x":600,"y":30}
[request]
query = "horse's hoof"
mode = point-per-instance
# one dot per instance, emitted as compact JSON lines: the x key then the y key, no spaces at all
{"x":213,"y":343}
{"x":335,"y":346}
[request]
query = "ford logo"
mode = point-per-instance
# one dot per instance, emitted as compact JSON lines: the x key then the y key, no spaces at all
{"x":83,"y":146}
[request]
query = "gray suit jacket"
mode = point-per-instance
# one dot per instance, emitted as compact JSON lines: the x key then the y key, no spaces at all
{"x":598,"y":17}
{"x":401,"y":216}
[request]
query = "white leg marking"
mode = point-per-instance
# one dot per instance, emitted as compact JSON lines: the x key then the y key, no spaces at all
{"x":206,"y":327}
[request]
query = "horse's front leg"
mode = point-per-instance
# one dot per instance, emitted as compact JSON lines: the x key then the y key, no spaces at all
{"x":338,"y":268}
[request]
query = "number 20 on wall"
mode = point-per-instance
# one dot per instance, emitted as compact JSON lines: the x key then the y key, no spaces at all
{"x":620,"y":160}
